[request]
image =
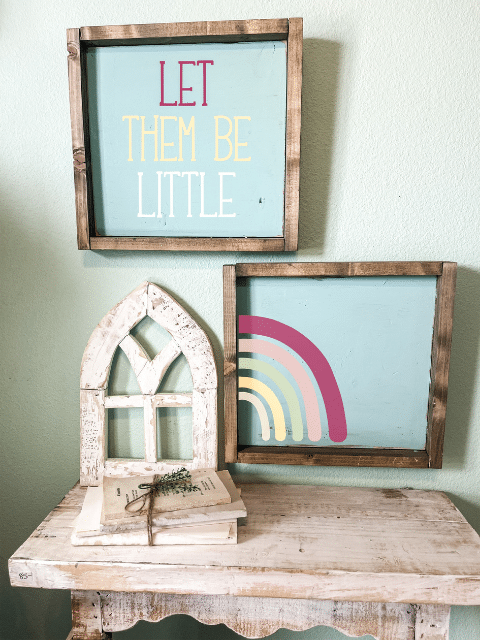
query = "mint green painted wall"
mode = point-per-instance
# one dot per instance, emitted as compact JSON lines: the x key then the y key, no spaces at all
{"x":390,"y":170}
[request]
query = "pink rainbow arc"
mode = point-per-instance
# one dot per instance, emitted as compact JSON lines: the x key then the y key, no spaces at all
{"x":318,"y":364}
{"x":302,"y":379}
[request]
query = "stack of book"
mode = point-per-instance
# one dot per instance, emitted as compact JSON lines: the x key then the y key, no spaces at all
{"x":116,"y":512}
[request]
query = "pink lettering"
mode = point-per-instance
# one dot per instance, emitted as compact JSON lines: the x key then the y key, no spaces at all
{"x":204,"y":63}
{"x":182,"y":88}
{"x":162,"y":87}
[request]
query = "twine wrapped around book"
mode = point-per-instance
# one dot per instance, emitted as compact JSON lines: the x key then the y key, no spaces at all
{"x":179,"y":481}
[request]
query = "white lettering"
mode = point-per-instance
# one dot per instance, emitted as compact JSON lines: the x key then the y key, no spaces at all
{"x":140,"y":214}
{"x":202,"y":197}
{"x":171,"y":174}
{"x":189,"y":189}
{"x":222,"y":199}
{"x":159,"y":193}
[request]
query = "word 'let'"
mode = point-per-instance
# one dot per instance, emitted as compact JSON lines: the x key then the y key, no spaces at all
{"x":182,"y":89}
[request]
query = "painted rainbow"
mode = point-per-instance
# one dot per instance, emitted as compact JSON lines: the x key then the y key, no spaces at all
{"x":318,"y":365}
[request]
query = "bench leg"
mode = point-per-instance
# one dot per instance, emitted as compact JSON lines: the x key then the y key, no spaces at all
{"x":87,"y":617}
{"x":432,"y":621}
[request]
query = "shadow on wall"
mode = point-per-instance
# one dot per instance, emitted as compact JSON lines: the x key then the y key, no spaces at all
{"x":463,"y":365}
{"x":36,"y":440}
{"x":469,"y":510}
{"x":321,"y":69}
{"x":461,"y":388}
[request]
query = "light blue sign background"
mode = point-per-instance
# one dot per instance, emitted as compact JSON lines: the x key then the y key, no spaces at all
{"x":246,"y":79}
{"x":376,"y":333}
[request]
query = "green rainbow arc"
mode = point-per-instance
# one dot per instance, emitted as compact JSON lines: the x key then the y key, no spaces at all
{"x":286,"y":388}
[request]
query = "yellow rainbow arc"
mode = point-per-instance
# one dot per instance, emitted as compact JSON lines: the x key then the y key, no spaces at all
{"x":273,"y":402}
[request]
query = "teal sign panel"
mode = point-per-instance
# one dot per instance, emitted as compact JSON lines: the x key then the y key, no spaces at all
{"x":188,"y":140}
{"x":335,"y":361}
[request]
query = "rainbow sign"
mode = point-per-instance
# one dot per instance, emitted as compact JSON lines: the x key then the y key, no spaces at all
{"x":316,"y":362}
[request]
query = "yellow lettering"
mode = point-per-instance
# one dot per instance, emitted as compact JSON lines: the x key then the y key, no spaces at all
{"x":225,"y":137}
{"x":237,"y":143}
{"x":182,"y":130}
{"x":164,"y":144}
{"x":154,"y":133}
{"x":130,"y":118}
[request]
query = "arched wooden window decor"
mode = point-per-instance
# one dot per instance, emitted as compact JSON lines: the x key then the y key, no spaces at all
{"x":187,"y":338}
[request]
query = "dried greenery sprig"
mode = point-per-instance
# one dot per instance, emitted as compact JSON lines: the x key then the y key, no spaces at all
{"x":179,"y":481}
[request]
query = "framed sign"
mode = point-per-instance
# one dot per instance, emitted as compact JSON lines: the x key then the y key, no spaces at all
{"x":339,"y":364}
{"x":187,"y":136}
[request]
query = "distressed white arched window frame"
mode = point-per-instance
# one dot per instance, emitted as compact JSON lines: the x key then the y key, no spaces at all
{"x":187,"y":338}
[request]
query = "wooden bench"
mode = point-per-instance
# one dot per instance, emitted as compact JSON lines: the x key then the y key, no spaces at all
{"x":384,"y":562}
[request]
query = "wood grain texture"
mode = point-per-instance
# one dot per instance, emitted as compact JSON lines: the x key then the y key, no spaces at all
{"x":212,"y":31}
{"x":160,"y":400}
{"x":432,"y":622}
{"x":316,"y":543}
{"x":188,"y":335}
{"x":150,"y":429}
{"x":173,"y":399}
{"x":441,"y":348}
{"x":230,"y":362}
{"x":87,"y":617}
{"x":149,"y":373}
{"x":108,"y":334}
{"x":92,"y":436}
{"x":260,"y":617}
{"x":334,"y":457}
{"x":293,"y":125}
{"x":78,"y":138}
{"x":187,"y":244}
{"x":119,"y":467}
{"x":339,"y":269}
{"x":204,"y":423}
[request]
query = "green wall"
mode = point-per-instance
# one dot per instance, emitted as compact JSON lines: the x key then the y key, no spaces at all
{"x":390,"y":171}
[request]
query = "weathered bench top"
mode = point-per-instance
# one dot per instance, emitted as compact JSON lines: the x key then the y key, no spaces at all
{"x":328,"y":543}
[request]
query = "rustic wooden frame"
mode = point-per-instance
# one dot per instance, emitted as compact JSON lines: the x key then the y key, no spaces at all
{"x":290,"y":30}
{"x":113,"y":331}
{"x":431,"y":457}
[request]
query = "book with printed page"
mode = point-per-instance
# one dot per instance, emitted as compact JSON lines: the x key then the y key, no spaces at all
{"x":119,"y":493}
{"x":88,"y":523}
{"x":211,"y":524}
{"x":210,"y":533}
